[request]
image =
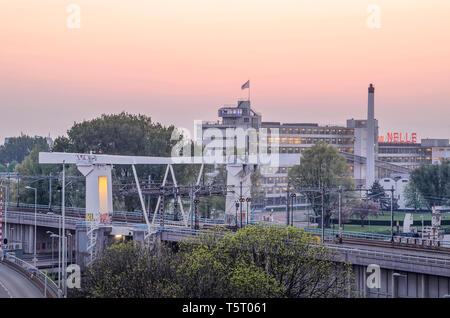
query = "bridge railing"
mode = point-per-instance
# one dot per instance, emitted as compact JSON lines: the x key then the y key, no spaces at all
{"x":373,"y":236}
{"x":76,"y":212}
{"x":47,"y":284}
{"x":349,"y":234}
{"x":392,"y":255}
{"x":41,"y":218}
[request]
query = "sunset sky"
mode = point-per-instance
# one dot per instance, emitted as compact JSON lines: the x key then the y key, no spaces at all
{"x":179,"y":60}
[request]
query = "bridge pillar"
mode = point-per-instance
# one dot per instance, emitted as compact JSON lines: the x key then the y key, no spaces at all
{"x":424,"y":285}
{"x":81,"y":252}
{"x":98,"y":191}
{"x":237,"y":175}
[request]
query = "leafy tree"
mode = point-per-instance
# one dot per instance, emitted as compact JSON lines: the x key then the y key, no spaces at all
{"x":17,"y":148}
{"x":321,"y":168}
{"x":256,"y":191}
{"x":432,"y":182}
{"x":31,"y":167}
{"x":364,"y":208}
{"x":256,"y":261}
{"x":128,"y":270}
{"x":378,"y":194}
{"x":413,"y":197}
{"x":119,"y":134}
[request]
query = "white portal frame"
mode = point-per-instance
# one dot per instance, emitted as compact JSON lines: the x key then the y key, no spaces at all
{"x":87,"y":162}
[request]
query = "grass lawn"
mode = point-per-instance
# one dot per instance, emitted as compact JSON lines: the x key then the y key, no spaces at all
{"x":386,"y":216}
{"x":367,"y":229}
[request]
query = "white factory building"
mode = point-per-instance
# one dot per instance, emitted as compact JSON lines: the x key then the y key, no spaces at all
{"x":370,"y":157}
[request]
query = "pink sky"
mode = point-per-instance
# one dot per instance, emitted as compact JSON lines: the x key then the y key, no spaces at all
{"x":177,"y":61}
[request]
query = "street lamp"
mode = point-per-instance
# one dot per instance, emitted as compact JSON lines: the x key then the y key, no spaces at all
{"x":241,"y":200}
{"x":52,"y":236}
{"x":35,"y":221}
{"x":69,"y":247}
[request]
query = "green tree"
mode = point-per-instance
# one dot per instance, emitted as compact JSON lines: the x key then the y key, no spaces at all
{"x":128,"y":270}
{"x":256,"y":261}
{"x":378,"y":194}
{"x":321,"y":168}
{"x":413,"y":197}
{"x":432,"y":182}
{"x":30,"y":167}
{"x":122,"y":134}
{"x":17,"y":148}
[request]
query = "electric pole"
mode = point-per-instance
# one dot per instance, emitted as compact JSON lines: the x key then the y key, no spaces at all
{"x":340,"y":213}
{"x":241,"y":200}
{"x":287,"y":203}
{"x":392,"y":214}
{"x":323,"y":212}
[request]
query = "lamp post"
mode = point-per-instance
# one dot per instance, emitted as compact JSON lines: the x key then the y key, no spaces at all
{"x":237,"y":207}
{"x":340,"y":214}
{"x":63,"y":212}
{"x":293,"y":196}
{"x":35,"y":221}
{"x":241,"y":202}
{"x":52,"y":236}
{"x":323,"y":212}
{"x":422,"y":224}
{"x":392,"y":214}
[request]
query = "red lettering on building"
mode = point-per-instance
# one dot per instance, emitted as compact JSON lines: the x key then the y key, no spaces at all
{"x":398,"y":137}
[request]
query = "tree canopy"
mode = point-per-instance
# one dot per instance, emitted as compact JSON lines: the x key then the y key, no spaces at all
{"x":256,"y":261}
{"x":430,"y":185}
{"x":378,"y":194}
{"x":322,"y":168}
{"x":17,"y":148}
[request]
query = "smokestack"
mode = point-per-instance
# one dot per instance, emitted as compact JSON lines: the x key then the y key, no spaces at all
{"x":370,"y":165}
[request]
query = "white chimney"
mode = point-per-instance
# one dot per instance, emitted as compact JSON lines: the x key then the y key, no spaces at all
{"x":370,"y":165}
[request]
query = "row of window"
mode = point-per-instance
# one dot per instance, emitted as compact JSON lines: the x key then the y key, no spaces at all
{"x":310,"y":131}
{"x":309,"y":140}
{"x":406,"y":159}
{"x":267,"y":170}
{"x":300,"y":149}
{"x":275,"y":180}
{"x":404,"y":150}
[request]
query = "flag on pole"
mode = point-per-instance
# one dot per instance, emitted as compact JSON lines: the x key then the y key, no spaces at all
{"x":246,"y":85}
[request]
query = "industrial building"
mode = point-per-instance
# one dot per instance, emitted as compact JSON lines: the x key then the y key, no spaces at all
{"x":368,"y":161}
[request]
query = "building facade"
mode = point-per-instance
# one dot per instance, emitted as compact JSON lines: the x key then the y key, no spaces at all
{"x":392,"y":157}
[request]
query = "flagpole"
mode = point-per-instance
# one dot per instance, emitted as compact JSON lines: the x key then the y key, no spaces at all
{"x":249,"y":90}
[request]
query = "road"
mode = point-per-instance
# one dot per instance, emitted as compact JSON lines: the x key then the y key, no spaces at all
{"x":15,"y":285}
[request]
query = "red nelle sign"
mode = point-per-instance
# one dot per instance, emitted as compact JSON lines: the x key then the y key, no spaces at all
{"x":398,"y":137}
